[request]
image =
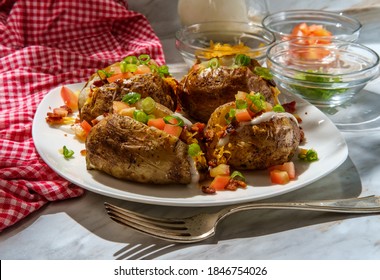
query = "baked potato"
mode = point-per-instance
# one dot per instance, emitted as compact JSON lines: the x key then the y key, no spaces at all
{"x":248,"y":134}
{"x":130,"y":147}
{"x":210,"y":84}
{"x":110,"y":84}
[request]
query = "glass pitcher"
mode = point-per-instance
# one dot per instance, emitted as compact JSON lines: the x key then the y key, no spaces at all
{"x":196,"y":11}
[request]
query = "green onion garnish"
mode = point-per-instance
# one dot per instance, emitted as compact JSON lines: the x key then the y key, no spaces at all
{"x":258,"y":102}
{"x":162,"y":70}
{"x":278,"y":108}
{"x":148,"y":105}
{"x":104,"y":74}
{"x":144,"y":58}
{"x":213,"y":63}
{"x":242,"y":60}
{"x":230,"y":116}
{"x":236,"y":175}
{"x":140,"y":116}
{"x":170,"y":120}
{"x":263,"y":73}
{"x":67,"y":153}
{"x":194,"y":149}
{"x":131,"y":98}
{"x":131,"y":59}
{"x":241,"y":104}
{"x":127,"y":67}
{"x":308,"y":155}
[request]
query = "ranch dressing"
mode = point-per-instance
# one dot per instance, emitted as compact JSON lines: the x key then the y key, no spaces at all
{"x":193,"y":172}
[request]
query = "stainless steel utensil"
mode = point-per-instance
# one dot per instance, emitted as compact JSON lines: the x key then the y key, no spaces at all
{"x":202,"y":226}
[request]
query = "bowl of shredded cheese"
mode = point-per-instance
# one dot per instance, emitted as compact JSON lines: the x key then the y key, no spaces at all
{"x":203,"y":41}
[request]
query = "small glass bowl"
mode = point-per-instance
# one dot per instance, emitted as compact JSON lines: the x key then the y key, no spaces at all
{"x":342,"y":27}
{"x":193,"y":41}
{"x":326,"y":75}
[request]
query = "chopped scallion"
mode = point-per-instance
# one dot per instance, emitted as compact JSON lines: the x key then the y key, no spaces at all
{"x":144,"y":58}
{"x":131,"y":59}
{"x":194,"y":149}
{"x":67,"y":153}
{"x":242,"y":60}
{"x":131,"y":97}
{"x":213,"y":63}
{"x":308,"y":155}
{"x":140,"y":116}
{"x":174,"y":120}
{"x":241,"y":104}
{"x":230,"y":116}
{"x":236,"y":175}
{"x":278,"y":108}
{"x":263,"y":73}
{"x":148,"y":105}
{"x":258,"y":102}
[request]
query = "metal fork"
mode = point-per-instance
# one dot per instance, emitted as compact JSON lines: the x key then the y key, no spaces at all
{"x":202,"y":226}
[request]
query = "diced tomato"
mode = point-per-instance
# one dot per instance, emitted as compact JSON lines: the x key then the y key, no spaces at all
{"x":287,"y":167}
{"x":174,"y":130}
{"x":313,"y":35}
{"x":158,"y":123}
{"x":221,"y":169}
{"x":304,"y":30}
{"x":242,"y":115}
{"x":220,"y":182}
{"x":119,"y":76}
{"x":279,"y":177}
{"x":86,"y":126}
{"x":69,"y":98}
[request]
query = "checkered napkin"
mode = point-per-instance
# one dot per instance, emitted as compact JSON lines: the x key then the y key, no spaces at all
{"x":45,"y":44}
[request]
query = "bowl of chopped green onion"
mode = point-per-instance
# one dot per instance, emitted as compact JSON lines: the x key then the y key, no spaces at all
{"x":207,"y":40}
{"x":326,"y":75}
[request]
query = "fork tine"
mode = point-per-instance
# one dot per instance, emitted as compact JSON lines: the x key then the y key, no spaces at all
{"x":137,"y":217}
{"x":172,"y":230}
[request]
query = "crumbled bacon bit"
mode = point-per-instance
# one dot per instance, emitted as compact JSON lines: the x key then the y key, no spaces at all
{"x":290,"y":107}
{"x":208,"y":190}
{"x":233,"y":185}
{"x":58,"y":115}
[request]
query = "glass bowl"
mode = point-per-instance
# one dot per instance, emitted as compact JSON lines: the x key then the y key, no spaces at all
{"x":340,"y":26}
{"x":208,"y":39}
{"x":326,"y":75}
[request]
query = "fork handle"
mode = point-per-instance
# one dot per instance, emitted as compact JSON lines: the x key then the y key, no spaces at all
{"x":362,"y":205}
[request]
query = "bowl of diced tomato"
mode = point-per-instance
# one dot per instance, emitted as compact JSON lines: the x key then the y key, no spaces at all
{"x":326,"y":75}
{"x":313,"y":26}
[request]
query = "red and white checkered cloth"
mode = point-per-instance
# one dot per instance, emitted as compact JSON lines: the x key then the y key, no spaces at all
{"x":45,"y":44}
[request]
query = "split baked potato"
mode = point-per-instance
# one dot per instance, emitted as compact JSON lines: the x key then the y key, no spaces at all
{"x":250,"y":134}
{"x":113,"y":82}
{"x":129,"y":145}
{"x":213,"y":83}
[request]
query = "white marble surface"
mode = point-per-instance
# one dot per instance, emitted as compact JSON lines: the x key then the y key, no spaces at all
{"x":80,"y":229}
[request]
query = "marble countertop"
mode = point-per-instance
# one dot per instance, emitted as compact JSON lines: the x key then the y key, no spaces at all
{"x":80,"y":228}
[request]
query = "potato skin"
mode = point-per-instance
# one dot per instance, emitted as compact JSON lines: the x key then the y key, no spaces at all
{"x":99,"y":99}
{"x":202,"y":90}
{"x":127,"y":149}
{"x":251,"y":147}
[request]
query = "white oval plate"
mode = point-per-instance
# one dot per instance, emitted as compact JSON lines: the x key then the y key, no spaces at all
{"x":321,"y":135}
